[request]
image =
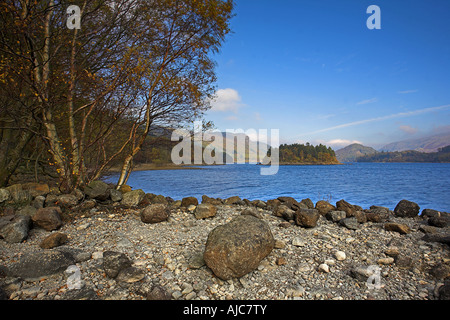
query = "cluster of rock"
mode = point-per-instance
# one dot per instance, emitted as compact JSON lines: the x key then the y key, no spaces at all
{"x":232,"y":250}
{"x":36,"y":205}
{"x":305,"y":214}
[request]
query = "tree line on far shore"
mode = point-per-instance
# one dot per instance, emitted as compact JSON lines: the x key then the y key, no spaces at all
{"x":306,"y":154}
{"x":442,"y":155}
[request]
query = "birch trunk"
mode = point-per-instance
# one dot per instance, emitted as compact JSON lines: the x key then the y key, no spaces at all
{"x":42,"y":72}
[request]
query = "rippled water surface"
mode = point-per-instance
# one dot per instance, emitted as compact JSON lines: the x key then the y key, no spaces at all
{"x":365,"y":184}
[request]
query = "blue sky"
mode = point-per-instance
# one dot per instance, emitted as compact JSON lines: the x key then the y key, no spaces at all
{"x":313,"y":70}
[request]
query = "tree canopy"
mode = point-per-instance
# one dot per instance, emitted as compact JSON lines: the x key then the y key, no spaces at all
{"x":306,"y":154}
{"x":76,"y":101}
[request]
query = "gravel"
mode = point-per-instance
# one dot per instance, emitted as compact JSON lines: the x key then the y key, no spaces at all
{"x":310,"y":264}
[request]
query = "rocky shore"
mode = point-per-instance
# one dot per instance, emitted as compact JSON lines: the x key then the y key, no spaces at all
{"x":106,"y":244}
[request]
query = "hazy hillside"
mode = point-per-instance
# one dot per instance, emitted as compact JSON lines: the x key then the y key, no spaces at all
{"x":427,"y":144}
{"x":352,"y":152}
{"x":443,"y":155}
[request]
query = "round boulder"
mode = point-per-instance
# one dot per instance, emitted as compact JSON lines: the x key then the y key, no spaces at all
{"x":236,"y":248}
{"x":187,"y":201}
{"x":407,"y":209}
{"x":306,"y":218}
{"x":132,"y":198}
{"x":48,"y":218}
{"x":324,"y":207}
{"x":155,"y":213}
{"x":205,"y":210}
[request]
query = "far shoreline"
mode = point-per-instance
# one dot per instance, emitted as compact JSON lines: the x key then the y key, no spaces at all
{"x":170,"y":166}
{"x":152,"y":167}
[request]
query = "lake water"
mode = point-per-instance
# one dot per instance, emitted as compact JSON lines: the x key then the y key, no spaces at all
{"x":364,"y":184}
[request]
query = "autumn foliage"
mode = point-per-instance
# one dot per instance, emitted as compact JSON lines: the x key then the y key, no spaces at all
{"x":73,"y":102}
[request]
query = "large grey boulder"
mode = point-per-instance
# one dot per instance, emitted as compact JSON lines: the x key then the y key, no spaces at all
{"x":36,"y":189}
{"x":236,"y":248}
{"x":155,"y":213}
{"x":19,"y":196}
{"x":187,"y":201}
{"x":4,"y":195}
{"x":132,"y":198}
{"x":307,"y":218}
{"x":14,"y":229}
{"x":324,"y":207}
{"x":40,"y":264}
{"x":205,"y":210}
{"x":98,"y":190}
{"x":349,"y":209}
{"x":407,"y":209}
{"x":114,"y":262}
{"x":48,"y":218}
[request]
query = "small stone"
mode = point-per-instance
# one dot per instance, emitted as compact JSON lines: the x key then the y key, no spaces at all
{"x":386,"y":261}
{"x":280,"y":261}
{"x":330,"y":262}
{"x":252,"y":211}
{"x":324,"y":268}
{"x":340,"y":255}
{"x":196,"y":261}
{"x":336,"y":216}
{"x":285,"y":224}
{"x":298,"y":242}
{"x":177,"y":294}
{"x":205,"y":210}
{"x":190,"y":296}
{"x":158,"y":293}
{"x":403,"y":261}
{"x":187,"y":288}
{"x":130,"y":275}
{"x":83,"y":226}
{"x":350,"y":223}
{"x":168,"y":275}
{"x":54,"y":240}
{"x":362,"y":273}
{"x":397,"y":227}
{"x":392,"y":252}
{"x":97,"y":255}
{"x":279,"y":244}
{"x":114,"y":262}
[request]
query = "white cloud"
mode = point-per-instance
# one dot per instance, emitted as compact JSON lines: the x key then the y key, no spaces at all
{"x":232,"y":118}
{"x":339,"y":143}
{"x":408,"y":129}
{"x":407,"y":91}
{"x":226,"y":100}
{"x":391,"y":116}
{"x":367,"y":101}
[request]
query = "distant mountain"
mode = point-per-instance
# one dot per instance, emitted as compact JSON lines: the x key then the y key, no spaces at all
{"x":427,"y":144}
{"x":230,"y":145}
{"x":352,"y":152}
